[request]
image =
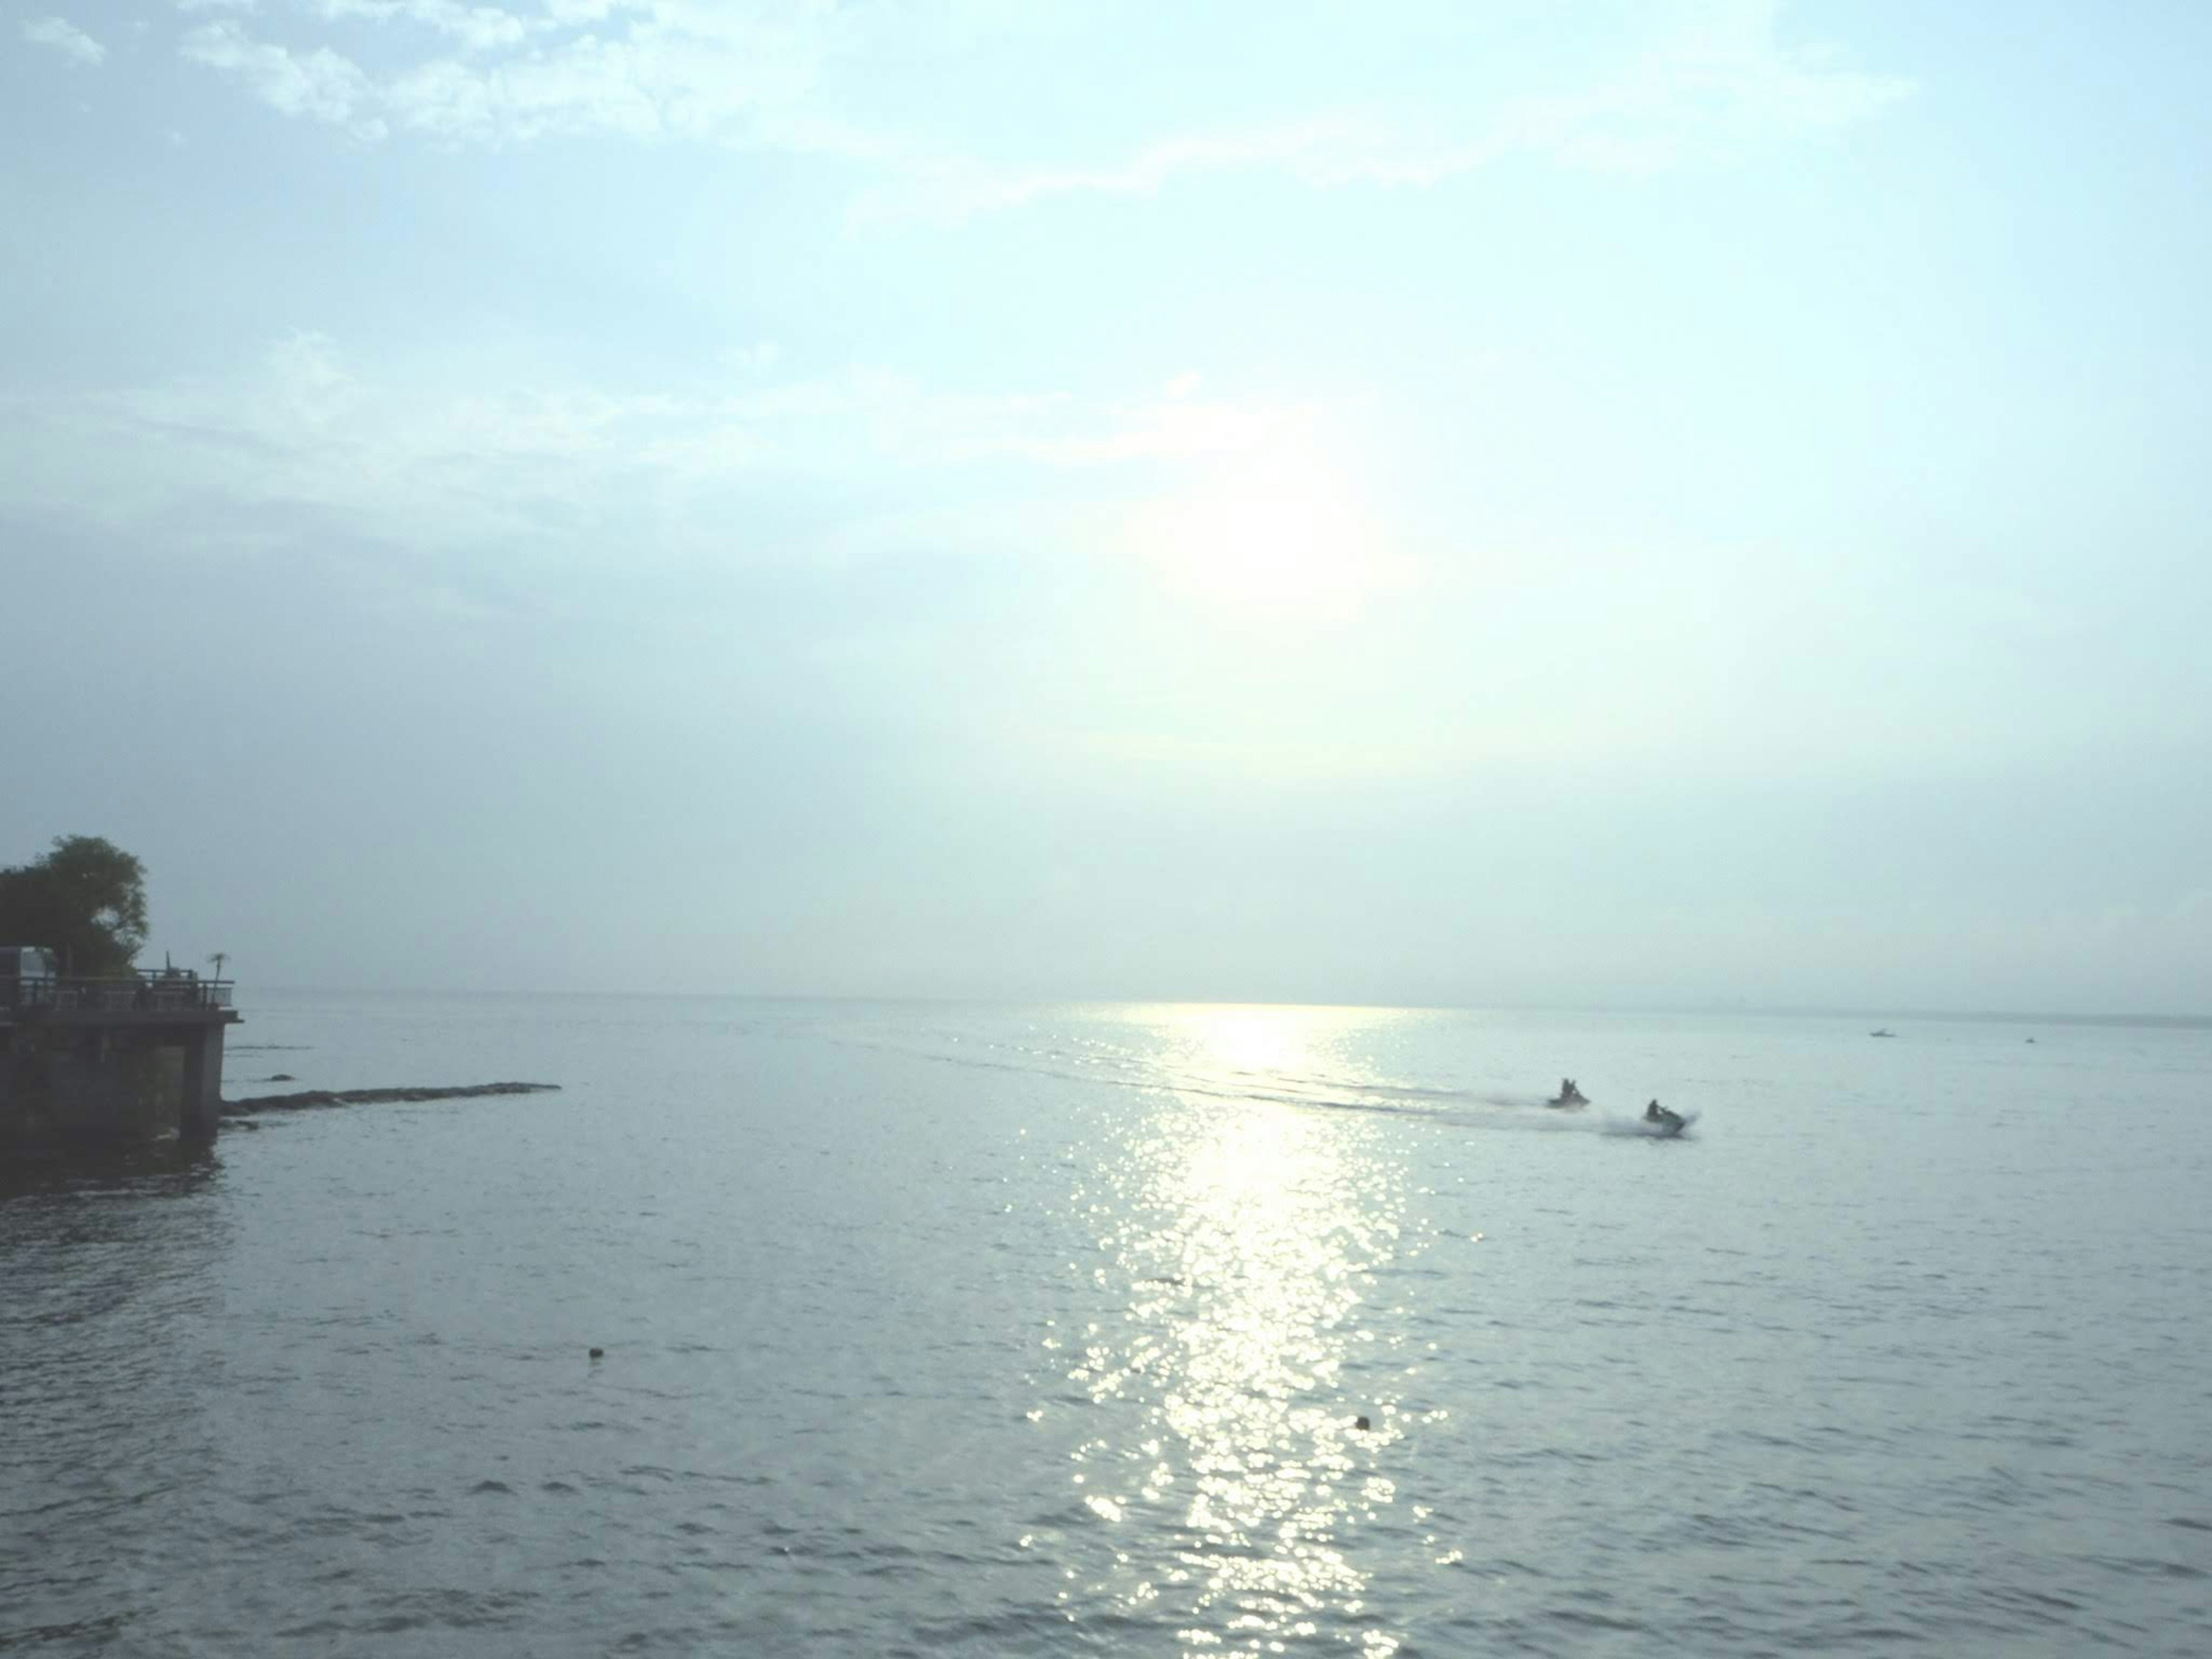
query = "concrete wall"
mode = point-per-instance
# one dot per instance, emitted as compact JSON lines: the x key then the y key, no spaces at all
{"x":63,"y":1083}
{"x":199,"y":1107}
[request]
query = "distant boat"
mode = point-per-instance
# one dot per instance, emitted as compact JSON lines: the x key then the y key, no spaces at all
{"x":1885,"y":1031}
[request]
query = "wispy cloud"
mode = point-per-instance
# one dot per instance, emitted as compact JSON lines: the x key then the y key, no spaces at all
{"x":642,"y":68}
{"x":65,"y":38}
{"x":418,"y":455}
{"x":756,"y":73}
{"x":317,"y":85}
{"x":1710,"y":96}
{"x":474,"y":29}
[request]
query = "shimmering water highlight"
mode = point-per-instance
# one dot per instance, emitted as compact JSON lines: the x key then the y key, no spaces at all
{"x":989,"y":1331}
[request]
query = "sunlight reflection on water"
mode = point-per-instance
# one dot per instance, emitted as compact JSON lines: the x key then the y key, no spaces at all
{"x":1032,"y":1332}
{"x":1244,"y":1237}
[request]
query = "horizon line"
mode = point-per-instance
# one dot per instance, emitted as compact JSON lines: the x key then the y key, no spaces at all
{"x":1784,"y":1011}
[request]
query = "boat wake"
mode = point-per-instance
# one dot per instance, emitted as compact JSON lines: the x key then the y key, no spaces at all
{"x":1647,"y":1130}
{"x":1107,"y":1064}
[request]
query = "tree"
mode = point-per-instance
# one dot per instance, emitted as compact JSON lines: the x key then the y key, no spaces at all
{"x":85,"y":902}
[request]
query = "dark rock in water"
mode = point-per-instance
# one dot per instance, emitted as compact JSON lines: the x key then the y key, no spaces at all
{"x":1362,"y":1422}
{"x":376,"y":1096}
{"x":598,"y":1353}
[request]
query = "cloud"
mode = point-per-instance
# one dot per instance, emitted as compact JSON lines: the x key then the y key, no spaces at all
{"x":65,"y":38}
{"x":415,"y":455}
{"x":1712,"y":94}
{"x":317,"y":86}
{"x":1709,"y":96}
{"x":772,"y":74}
{"x":476,"y":29}
{"x":642,"y":69}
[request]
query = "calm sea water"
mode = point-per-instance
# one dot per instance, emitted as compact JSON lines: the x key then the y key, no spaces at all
{"x":936,"y":1330}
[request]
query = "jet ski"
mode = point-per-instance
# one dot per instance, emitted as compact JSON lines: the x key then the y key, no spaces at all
{"x":1663,"y":1121}
{"x":1568,"y":1095}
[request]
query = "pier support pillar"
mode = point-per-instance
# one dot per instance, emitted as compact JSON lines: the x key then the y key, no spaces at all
{"x":200,"y":1111}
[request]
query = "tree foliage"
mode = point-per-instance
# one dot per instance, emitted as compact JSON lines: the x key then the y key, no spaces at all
{"x":85,"y":901}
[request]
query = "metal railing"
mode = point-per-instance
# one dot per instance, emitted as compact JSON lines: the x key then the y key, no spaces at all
{"x":159,"y":992}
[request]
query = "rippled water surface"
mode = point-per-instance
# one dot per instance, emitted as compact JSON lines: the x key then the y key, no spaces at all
{"x":1029,"y":1331}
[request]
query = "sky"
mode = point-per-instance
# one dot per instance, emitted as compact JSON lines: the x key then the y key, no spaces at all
{"x":1686,"y":502}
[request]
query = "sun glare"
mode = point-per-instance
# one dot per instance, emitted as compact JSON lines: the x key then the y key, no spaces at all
{"x":1283,"y":538}
{"x":1247,"y":1040}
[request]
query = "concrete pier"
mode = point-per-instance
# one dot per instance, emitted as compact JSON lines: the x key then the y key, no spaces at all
{"x":122,"y":1059}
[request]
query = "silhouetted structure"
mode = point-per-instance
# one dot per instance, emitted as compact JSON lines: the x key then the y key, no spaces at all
{"x":133,"y":1057}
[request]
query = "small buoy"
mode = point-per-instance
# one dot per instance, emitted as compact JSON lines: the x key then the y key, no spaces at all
{"x":1362,"y":1422}
{"x":598,"y":1353}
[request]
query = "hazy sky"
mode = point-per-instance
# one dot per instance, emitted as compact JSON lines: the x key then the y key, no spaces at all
{"x":1662,"y":501}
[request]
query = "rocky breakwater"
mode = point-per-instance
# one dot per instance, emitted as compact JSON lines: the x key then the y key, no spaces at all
{"x":310,"y":1099}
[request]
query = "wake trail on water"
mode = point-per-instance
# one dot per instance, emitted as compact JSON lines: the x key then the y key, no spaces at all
{"x":1517,"y":1110}
{"x":1637,"y":1126}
